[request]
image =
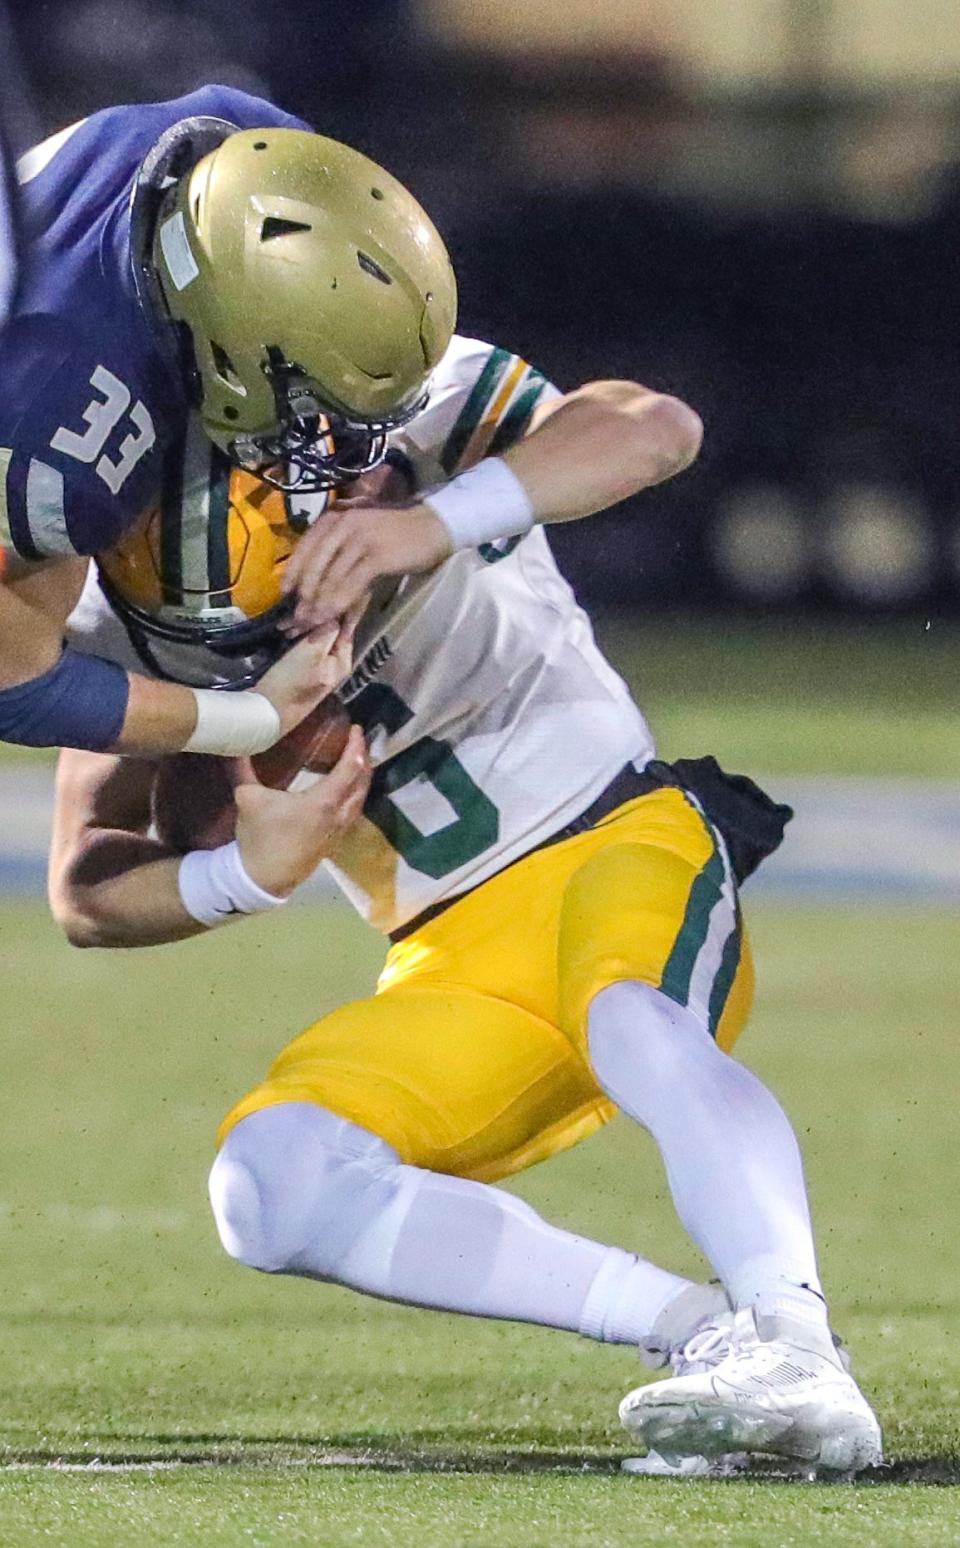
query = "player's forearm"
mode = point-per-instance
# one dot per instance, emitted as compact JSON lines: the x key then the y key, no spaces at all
{"x":87,"y":702}
{"x":120,"y":889}
{"x":51,"y":696}
{"x":601,"y":444}
{"x":164,"y":717}
{"x":589,"y":450}
{"x":35,"y":602}
{"x":160,"y":718}
{"x":585,"y":452}
{"x":31,"y":636}
{"x":59,"y":697}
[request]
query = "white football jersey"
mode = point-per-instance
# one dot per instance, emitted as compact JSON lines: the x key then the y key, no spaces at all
{"x":492,"y":718}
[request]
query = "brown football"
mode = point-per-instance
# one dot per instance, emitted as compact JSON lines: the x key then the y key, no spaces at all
{"x":314,"y":746}
{"x":192,"y":801}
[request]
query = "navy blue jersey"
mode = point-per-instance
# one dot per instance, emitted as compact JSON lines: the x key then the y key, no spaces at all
{"x":89,"y":398}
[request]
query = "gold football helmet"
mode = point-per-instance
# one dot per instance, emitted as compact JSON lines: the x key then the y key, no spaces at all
{"x":203,"y":569}
{"x":312,"y":284}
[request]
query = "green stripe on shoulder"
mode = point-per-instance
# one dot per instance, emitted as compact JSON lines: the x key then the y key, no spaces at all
{"x":515,"y":421}
{"x":492,"y":553}
{"x":472,"y":412}
{"x":704,"y":893}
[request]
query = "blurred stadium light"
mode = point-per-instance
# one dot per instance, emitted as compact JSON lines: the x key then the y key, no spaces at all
{"x":878,"y":545}
{"x":762,"y":545}
{"x":729,"y":41}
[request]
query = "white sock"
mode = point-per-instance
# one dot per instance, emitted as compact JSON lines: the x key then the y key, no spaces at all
{"x":731,"y":1157}
{"x":297,"y":1190}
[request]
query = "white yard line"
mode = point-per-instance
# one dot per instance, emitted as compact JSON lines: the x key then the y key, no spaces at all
{"x":411,"y":1461}
{"x":878,"y":838}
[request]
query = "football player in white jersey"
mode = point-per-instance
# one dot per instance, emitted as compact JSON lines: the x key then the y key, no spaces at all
{"x":566,"y":933}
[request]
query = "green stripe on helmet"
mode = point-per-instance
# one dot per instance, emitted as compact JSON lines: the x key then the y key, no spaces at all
{"x":171,"y":517}
{"x":218,"y":515}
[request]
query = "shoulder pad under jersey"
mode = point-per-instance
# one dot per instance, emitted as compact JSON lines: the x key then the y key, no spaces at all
{"x":481,"y":401}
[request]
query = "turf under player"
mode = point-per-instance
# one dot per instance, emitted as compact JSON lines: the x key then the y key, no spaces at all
{"x":567,"y":939}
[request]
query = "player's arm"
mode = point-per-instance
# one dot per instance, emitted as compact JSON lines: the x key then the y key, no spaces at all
{"x":108,"y":882}
{"x":56,"y":697}
{"x":597,"y":446}
{"x":580,"y":454}
{"x":111,"y":883}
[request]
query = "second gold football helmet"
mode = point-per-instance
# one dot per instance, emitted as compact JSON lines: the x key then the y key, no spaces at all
{"x":203,"y":568}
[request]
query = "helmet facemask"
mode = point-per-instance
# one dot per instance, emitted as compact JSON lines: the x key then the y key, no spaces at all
{"x":313,"y":448}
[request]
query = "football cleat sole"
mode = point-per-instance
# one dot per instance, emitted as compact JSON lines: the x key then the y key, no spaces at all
{"x":683,"y":1426}
{"x":654,"y":1465}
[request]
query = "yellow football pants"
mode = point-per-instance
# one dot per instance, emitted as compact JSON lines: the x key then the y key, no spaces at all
{"x":471,"y":1056}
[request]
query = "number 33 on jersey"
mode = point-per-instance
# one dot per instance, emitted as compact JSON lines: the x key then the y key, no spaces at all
{"x":102,"y":416}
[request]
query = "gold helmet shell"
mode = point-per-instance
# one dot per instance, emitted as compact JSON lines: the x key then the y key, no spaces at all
{"x":310,"y":281}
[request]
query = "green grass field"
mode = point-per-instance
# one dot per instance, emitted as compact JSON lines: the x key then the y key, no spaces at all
{"x":292,"y":1413}
{"x":797,"y":696}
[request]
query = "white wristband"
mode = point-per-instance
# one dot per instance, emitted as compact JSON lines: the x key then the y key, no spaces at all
{"x":483,"y":504}
{"x":233,"y":725}
{"x":214,"y":885}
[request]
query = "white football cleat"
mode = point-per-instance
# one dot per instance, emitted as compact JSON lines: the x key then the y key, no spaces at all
{"x":704,"y":1349}
{"x":779,"y":1389}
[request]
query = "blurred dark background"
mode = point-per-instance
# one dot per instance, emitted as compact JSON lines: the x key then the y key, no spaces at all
{"x":757,"y":207}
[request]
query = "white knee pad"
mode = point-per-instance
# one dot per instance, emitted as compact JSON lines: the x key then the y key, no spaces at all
{"x":294,"y":1186}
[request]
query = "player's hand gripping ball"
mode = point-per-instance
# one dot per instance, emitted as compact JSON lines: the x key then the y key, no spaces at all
{"x":193,"y":800}
{"x":312,"y":747}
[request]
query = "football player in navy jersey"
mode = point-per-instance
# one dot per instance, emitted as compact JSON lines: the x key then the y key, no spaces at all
{"x":205,"y":258}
